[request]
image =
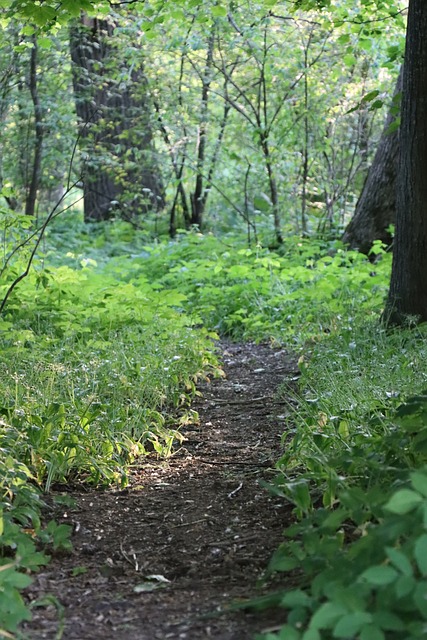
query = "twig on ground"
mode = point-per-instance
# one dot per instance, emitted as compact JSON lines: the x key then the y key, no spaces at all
{"x":233,"y":493}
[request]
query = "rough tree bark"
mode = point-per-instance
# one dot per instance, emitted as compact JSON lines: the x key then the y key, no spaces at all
{"x":376,"y":208}
{"x":120,"y":174}
{"x":407,"y":298}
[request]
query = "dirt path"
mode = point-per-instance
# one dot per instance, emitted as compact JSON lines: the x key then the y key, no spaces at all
{"x":201,"y":521}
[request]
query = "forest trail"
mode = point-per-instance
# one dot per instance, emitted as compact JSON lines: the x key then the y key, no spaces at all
{"x":201,"y":521}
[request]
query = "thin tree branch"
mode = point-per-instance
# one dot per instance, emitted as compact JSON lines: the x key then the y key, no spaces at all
{"x":42,"y":229}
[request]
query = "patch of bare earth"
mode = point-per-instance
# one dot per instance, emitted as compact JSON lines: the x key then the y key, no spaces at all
{"x":201,"y":521}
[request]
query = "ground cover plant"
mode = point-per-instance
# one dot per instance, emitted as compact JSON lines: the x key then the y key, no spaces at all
{"x":95,"y":371}
{"x":356,"y":470}
{"x":295,"y":295}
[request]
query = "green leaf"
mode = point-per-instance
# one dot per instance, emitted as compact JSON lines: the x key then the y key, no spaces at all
{"x":349,"y":59}
{"x":377,"y":104}
{"x":327,"y":615}
{"x":28,"y":30}
{"x":335,"y":519}
{"x":420,"y":553}
{"x":351,"y":624}
{"x":262,"y":203}
{"x":15,"y":579}
{"x":399,"y":560}
{"x":288,"y":632}
{"x":403,"y":501}
{"x":419,"y":482}
{"x":299,"y":493}
{"x":370,"y":96}
{"x":281,"y":562}
{"x":379,"y":575}
{"x":44,"y":43}
{"x":42,"y":15}
{"x":371,"y":632}
{"x":219,"y":11}
{"x":310,"y":634}
{"x":365,"y":44}
{"x":72,"y":7}
{"x":389,"y":621}
{"x":404,"y":585}
{"x":296,"y":598}
{"x":344,"y":38}
{"x":420,"y":598}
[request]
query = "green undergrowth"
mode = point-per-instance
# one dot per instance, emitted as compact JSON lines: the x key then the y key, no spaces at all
{"x":252,"y":293}
{"x":355,"y":467}
{"x":96,"y":371}
{"x":350,"y":389}
{"x":93,"y":368}
{"x":101,"y":349}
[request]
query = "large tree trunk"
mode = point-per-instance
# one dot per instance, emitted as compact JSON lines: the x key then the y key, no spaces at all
{"x":120,"y":174}
{"x":408,"y":288}
{"x":376,"y":208}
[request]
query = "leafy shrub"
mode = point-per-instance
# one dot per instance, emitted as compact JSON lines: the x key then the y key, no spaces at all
{"x":115,"y":360}
{"x":257,"y":294}
{"x":21,"y":534}
{"x":344,"y":431}
{"x":373,"y":586}
{"x":96,"y":370}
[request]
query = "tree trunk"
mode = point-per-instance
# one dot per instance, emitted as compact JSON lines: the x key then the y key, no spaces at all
{"x":407,"y":300}
{"x":31,"y":197}
{"x":119,"y":173}
{"x":178,"y":168}
{"x":376,"y":208}
{"x":197,"y":202}
{"x":274,"y":192}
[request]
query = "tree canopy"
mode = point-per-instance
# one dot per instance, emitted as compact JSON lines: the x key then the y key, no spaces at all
{"x":232,"y":95}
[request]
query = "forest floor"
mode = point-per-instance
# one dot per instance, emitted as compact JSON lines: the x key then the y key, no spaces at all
{"x":200,"y":524}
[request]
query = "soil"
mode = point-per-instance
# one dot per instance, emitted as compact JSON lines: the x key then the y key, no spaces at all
{"x":166,"y":557}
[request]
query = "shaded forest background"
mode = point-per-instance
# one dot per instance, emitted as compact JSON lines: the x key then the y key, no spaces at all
{"x":253,"y":119}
